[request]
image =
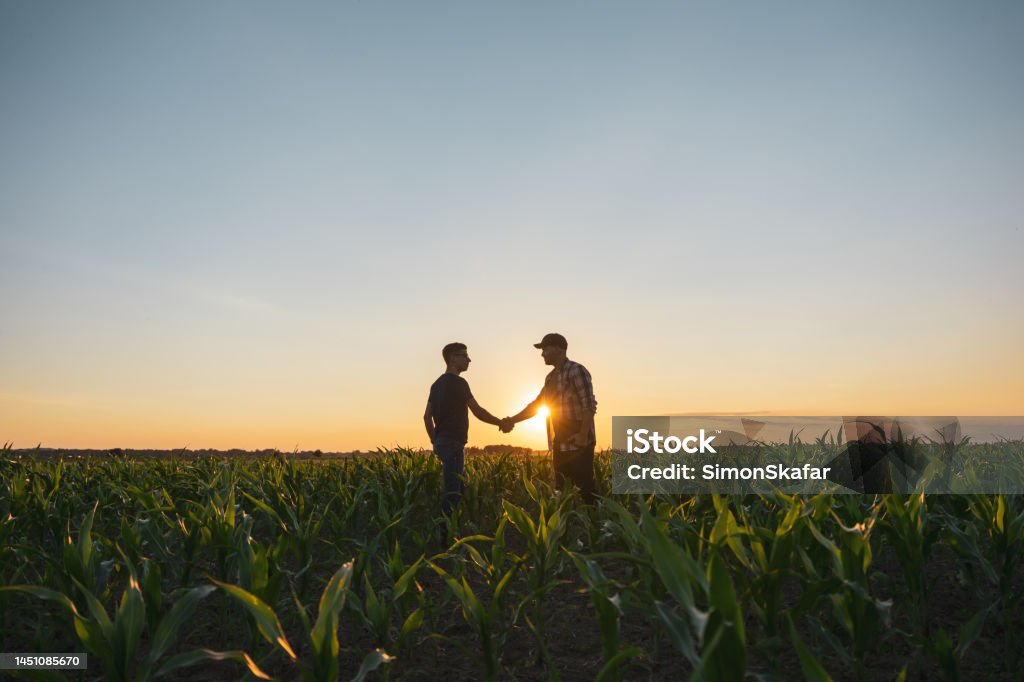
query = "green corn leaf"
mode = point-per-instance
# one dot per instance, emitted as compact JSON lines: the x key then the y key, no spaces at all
{"x":152,"y":593}
{"x":89,"y":633}
{"x":943,"y":651}
{"x":92,"y":637}
{"x":378,"y":613}
{"x":677,"y":570}
{"x":395,"y":564}
{"x":679,"y":631}
{"x":610,"y":670}
{"x":260,"y":568}
{"x":588,"y":569}
{"x":970,"y":631}
{"x":499,"y":590}
{"x":85,"y":537}
{"x":128,"y":623}
{"x":471,"y":602}
{"x":531,"y":490}
{"x":726,"y":660}
{"x":406,"y":579}
{"x":476,"y":557}
{"x":96,"y":610}
{"x":181,"y":611}
{"x":267,"y":509}
{"x":727,"y":531}
{"x":412,"y":623}
{"x":700,"y":671}
{"x":371,"y":662}
{"x":265,"y":618}
{"x":43,"y":593}
{"x":332,"y":600}
{"x":608,"y":611}
{"x":812,"y":669}
{"x":498,"y":545}
{"x":203,"y":655}
{"x":789,"y":521}
{"x":520,"y":519}
{"x":300,"y":609}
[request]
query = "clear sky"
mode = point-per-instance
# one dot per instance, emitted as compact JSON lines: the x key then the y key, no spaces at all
{"x":254,"y":224}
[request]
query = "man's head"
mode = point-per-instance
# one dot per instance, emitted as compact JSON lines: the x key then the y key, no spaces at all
{"x":456,"y":357}
{"x":552,"y":349}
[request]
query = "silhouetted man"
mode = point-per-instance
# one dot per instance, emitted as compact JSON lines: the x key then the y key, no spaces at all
{"x":447,"y":420}
{"x":568,"y":394}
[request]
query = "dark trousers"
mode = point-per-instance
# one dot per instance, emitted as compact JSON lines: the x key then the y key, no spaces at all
{"x":451,"y":454}
{"x":576,"y":466}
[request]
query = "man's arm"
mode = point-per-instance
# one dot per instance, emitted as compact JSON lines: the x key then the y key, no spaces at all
{"x":584,"y":388}
{"x":528,"y":411}
{"x":586,"y":428}
{"x":482,"y":414}
{"x":428,"y":421}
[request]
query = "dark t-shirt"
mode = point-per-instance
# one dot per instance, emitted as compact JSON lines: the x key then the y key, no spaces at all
{"x":448,"y":398}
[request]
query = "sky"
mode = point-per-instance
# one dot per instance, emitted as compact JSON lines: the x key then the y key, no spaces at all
{"x":255,"y":224}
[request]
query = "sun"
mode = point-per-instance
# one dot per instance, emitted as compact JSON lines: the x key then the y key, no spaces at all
{"x":539,"y":422}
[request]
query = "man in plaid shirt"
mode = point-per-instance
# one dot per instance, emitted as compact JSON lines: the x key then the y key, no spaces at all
{"x":568,"y":394}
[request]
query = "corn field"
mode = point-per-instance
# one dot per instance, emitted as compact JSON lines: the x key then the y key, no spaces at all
{"x":274,"y":568}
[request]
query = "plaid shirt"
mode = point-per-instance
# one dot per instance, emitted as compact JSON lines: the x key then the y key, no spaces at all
{"x":569,"y":395}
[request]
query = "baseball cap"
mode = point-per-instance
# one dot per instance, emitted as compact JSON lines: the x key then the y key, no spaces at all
{"x":552,"y":340}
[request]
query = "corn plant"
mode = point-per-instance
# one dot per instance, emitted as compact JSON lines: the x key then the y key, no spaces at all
{"x":286,"y":504}
{"x":709,"y":632}
{"x":766,"y":555}
{"x":488,"y":621}
{"x":606,"y":600}
{"x":540,"y":562}
{"x":378,"y":609}
{"x":322,"y":635}
{"x":994,"y":543}
{"x":906,"y":525}
{"x":862,"y":617}
{"x":114,"y":641}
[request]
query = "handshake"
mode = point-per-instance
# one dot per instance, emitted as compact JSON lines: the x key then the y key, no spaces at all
{"x":506,"y":425}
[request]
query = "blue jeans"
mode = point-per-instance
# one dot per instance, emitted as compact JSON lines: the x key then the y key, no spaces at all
{"x":450,"y":452}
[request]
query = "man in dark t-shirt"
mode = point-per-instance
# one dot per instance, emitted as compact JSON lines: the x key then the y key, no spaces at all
{"x":447,"y":420}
